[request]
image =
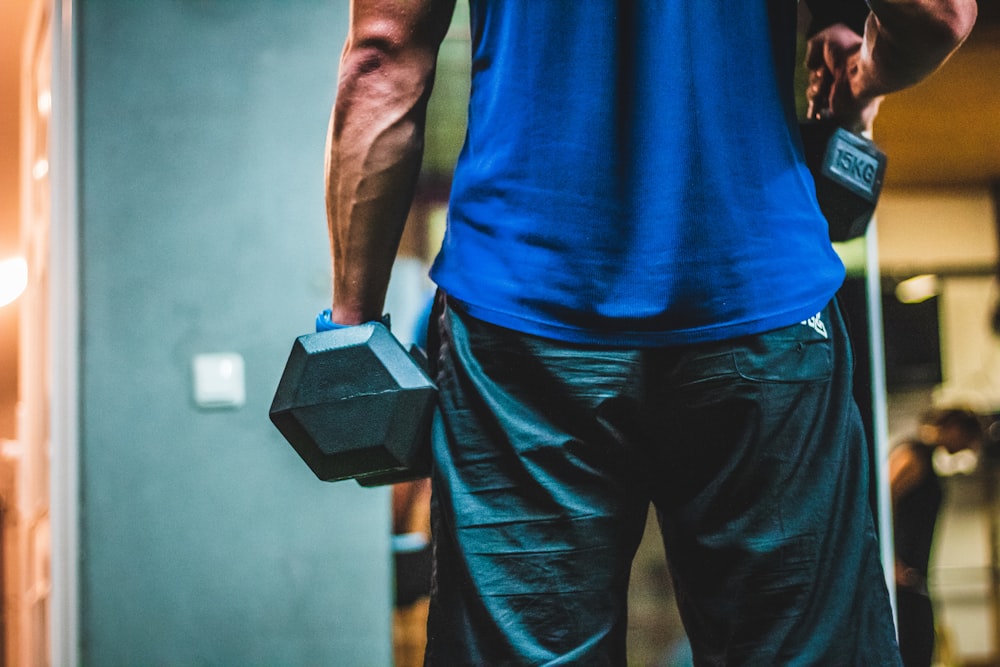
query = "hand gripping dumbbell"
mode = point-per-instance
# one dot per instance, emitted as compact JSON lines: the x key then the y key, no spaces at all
{"x":355,"y":404}
{"x":848,"y":170}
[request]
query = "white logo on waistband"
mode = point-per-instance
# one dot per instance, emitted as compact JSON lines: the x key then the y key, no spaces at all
{"x":816,"y":324}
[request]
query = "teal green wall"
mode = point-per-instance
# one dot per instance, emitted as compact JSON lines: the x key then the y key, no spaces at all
{"x":204,"y":539}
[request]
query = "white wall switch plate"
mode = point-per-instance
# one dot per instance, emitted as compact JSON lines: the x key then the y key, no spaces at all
{"x":219,"y":380}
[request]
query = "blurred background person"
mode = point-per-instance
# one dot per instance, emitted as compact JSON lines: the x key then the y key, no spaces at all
{"x":916,"y":502}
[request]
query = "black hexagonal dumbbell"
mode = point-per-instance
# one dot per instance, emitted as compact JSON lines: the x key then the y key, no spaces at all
{"x":848,"y":170}
{"x":355,"y":404}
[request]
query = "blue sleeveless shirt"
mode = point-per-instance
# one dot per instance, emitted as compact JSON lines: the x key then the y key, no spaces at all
{"x":632,"y":174}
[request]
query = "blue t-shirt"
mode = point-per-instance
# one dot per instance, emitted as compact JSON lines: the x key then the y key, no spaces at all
{"x":633,"y":175}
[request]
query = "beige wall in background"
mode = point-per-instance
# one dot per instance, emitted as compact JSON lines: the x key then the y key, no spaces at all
{"x":950,"y":229}
{"x":936,"y":227}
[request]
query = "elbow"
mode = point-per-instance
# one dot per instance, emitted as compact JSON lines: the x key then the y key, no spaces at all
{"x":359,"y":61}
{"x":956,"y":20}
{"x":379,"y":77}
{"x":364,"y":54}
{"x":963,"y":19}
{"x":387,"y":47}
{"x":385,"y":80}
{"x":931,"y":25}
{"x":949,"y":22}
{"x":384,"y":72}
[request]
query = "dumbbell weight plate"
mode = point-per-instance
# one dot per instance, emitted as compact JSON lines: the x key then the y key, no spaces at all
{"x":354,"y":404}
{"x":848,"y":171}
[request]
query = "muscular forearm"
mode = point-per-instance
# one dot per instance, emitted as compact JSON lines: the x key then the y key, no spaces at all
{"x":907,"y":40}
{"x":375,"y":145}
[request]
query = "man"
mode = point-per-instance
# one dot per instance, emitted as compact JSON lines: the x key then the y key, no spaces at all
{"x":916,"y":502}
{"x":634,"y":307}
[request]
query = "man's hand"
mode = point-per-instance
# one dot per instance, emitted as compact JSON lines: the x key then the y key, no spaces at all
{"x":832,"y":59}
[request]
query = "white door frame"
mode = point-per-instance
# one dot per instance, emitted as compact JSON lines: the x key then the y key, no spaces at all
{"x":64,"y":345}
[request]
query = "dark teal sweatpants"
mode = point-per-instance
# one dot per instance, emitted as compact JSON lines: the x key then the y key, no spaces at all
{"x":547,"y":456}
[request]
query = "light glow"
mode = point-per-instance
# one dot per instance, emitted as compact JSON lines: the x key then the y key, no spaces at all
{"x":45,"y":102}
{"x":40,"y":169}
{"x":13,"y":279}
{"x":918,"y":289}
